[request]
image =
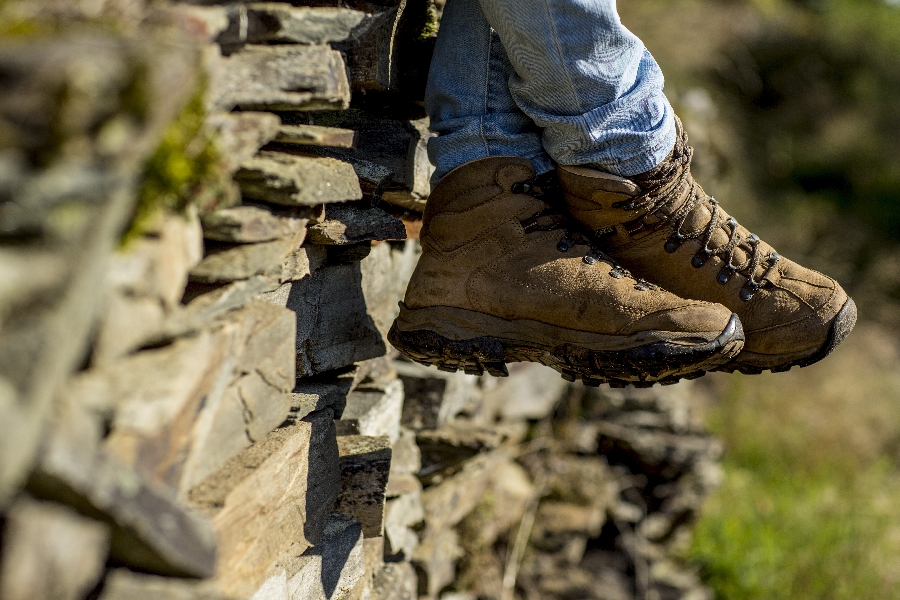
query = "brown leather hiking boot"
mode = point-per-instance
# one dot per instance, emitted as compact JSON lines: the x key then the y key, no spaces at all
{"x":501,"y":279}
{"x":665,"y":228}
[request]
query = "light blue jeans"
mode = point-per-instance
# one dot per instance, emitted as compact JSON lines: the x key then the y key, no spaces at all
{"x":549,"y":80}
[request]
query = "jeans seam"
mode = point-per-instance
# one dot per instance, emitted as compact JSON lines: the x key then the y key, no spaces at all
{"x":487,"y":92}
{"x":560,"y":56}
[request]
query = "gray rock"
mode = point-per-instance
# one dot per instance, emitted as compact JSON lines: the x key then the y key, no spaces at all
{"x":435,"y":561}
{"x":122,"y":584}
{"x":284,"y":77}
{"x":274,"y":496}
{"x":241,"y":134}
{"x":530,"y":392}
{"x":445,"y":450}
{"x":297,"y":180}
{"x":149,"y":529}
{"x":316,"y":135}
{"x":308,"y":397}
{"x":395,"y":581}
{"x":433,"y":397}
{"x":401,"y":516}
{"x":209,"y":305}
{"x":405,"y":463}
{"x":261,"y":22}
{"x":351,"y":225}
{"x":333,"y":327}
{"x":365,"y":465}
{"x":373,"y":411}
{"x":50,"y":552}
{"x":303,"y":262}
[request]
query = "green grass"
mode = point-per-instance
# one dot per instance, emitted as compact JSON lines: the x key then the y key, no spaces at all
{"x":809,"y":506}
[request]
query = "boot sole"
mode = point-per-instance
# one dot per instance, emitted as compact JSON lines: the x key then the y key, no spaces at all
{"x":421,"y":336}
{"x":751,"y":363}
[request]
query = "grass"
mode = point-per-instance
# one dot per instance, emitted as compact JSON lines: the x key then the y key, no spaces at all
{"x":808,"y":508}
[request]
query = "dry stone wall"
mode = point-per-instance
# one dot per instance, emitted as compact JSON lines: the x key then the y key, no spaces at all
{"x":208,"y":213}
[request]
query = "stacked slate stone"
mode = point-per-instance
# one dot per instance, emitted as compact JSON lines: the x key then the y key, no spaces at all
{"x":208,"y":216}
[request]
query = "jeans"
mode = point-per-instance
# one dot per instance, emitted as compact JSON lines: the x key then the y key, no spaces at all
{"x":550,"y":80}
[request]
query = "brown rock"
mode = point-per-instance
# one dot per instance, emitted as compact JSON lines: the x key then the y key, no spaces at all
{"x":365,"y":465}
{"x":186,"y":408}
{"x":50,"y":552}
{"x":274,"y":496}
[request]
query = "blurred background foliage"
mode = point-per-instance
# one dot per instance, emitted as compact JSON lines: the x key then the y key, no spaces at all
{"x":793,"y":107}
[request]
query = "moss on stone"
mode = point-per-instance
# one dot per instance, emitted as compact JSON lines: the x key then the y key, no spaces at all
{"x":185,"y":162}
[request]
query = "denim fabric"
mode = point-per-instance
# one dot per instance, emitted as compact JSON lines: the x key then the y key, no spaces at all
{"x":559,"y":80}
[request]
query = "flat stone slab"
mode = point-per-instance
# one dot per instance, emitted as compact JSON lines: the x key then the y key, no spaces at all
{"x":282,"y":77}
{"x":352,"y":224}
{"x":297,"y":180}
{"x":262,"y":22}
{"x":365,"y":465}
{"x":316,"y":135}
{"x":226,"y":262}
{"x":249,"y":224}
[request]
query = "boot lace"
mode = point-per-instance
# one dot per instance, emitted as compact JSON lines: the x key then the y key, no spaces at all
{"x":546,"y":188}
{"x":671,"y":175}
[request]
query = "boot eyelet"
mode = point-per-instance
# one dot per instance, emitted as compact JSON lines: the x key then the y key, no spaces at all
{"x":726,"y":273}
{"x":753,"y":238}
{"x":746,"y":294}
{"x":733,"y":222}
{"x":641,"y":287}
{"x":700,"y":258}
{"x":521,"y":187}
{"x":564,"y":245}
{"x":616,"y":273}
{"x":589,"y":259}
{"x":673,"y":243}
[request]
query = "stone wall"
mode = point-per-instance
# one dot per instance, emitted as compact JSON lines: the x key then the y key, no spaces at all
{"x":208,"y":213}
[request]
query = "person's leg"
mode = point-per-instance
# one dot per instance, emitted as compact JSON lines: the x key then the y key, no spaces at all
{"x":586,"y":81}
{"x":502,"y":277}
{"x":468,"y":100}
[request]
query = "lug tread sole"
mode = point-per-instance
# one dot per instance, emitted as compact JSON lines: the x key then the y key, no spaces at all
{"x":642,"y":366}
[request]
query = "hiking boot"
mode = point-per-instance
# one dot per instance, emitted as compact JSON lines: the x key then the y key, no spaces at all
{"x":503,"y":279}
{"x":665,"y":228}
